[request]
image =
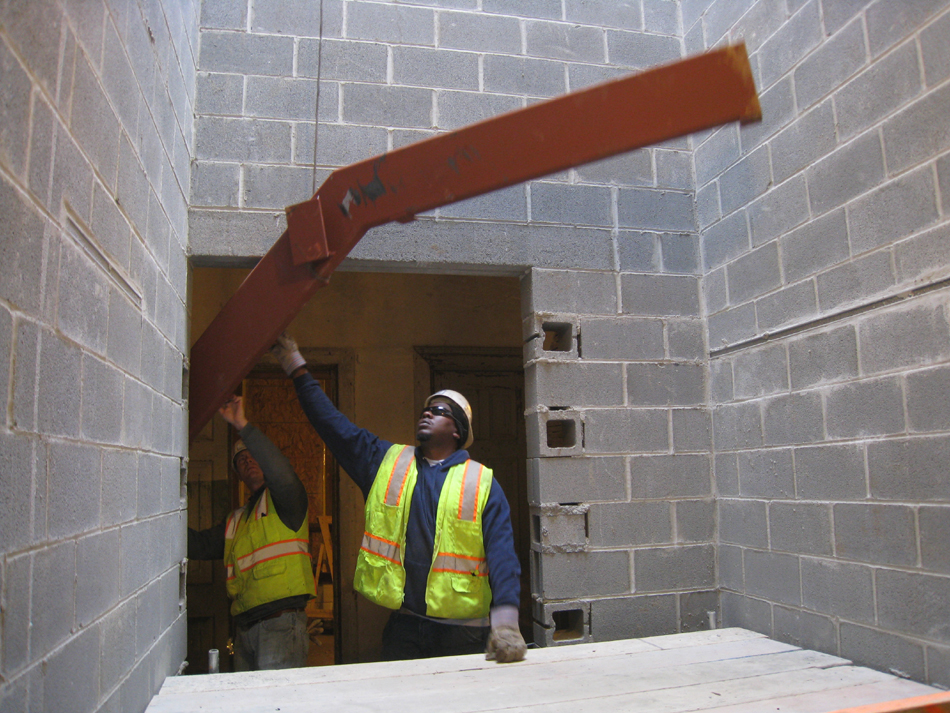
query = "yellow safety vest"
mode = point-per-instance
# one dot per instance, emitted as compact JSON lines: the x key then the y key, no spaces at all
{"x":265,"y":559}
{"x":457,"y":586}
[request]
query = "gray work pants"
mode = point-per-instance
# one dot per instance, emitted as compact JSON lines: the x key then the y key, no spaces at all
{"x":280,"y":642}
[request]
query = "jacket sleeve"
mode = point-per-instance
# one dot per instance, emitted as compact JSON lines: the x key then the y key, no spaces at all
{"x":207,"y":544}
{"x":504,"y":570}
{"x":358,"y":451}
{"x":288,"y":493}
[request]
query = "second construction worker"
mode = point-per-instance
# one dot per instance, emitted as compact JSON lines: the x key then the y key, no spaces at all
{"x":438,"y":546}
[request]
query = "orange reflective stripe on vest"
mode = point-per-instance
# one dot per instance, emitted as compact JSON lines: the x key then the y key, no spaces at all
{"x":387,"y":549}
{"x":271,"y":551}
{"x":399,"y":475}
{"x":468,"y":498}
{"x":460,"y":564}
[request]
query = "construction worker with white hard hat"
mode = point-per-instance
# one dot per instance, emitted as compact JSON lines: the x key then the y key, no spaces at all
{"x":438,"y":547}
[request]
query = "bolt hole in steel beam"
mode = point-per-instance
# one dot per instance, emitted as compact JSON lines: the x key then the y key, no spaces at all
{"x":657,"y":105}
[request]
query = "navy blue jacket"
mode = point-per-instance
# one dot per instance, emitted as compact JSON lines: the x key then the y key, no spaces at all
{"x":360,"y":454}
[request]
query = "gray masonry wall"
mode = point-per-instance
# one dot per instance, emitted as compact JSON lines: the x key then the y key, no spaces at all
{"x":95,"y":134}
{"x":826,"y":258}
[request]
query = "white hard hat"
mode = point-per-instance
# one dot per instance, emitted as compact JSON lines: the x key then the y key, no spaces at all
{"x":456,"y":399}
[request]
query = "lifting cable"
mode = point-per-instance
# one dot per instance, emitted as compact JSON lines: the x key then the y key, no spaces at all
{"x":316,"y":109}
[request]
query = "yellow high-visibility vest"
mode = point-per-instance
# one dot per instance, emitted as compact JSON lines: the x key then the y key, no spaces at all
{"x":457,"y":586}
{"x":265,"y":559}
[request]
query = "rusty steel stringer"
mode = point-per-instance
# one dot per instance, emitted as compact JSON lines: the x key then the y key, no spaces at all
{"x":690,"y":95}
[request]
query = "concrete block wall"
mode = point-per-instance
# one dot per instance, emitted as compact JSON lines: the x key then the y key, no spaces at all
{"x":825,"y":287}
{"x":95,"y":136}
{"x":392,"y":73}
{"x":620,"y":476}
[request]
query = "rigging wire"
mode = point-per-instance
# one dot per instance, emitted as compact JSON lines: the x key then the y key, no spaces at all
{"x":316,"y":109}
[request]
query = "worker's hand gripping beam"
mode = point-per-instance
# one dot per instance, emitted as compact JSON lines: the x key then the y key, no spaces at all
{"x":608,"y":119}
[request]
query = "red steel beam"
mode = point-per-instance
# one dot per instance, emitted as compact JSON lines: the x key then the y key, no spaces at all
{"x":640,"y":110}
{"x":933,"y":703}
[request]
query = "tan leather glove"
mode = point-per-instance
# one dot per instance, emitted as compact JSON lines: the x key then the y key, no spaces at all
{"x":505,"y":645}
{"x":285,"y":350}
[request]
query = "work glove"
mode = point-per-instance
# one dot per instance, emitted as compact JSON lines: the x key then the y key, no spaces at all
{"x":505,"y":643}
{"x":285,"y":350}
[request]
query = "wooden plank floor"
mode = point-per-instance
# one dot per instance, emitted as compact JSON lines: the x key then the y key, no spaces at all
{"x":722,"y":671}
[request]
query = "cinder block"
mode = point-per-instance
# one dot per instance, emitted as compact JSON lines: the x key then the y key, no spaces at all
{"x":626,"y":431}
{"x":666,"y":384}
{"x":569,"y":291}
{"x":97,"y":583}
{"x":691,"y":430}
{"x":391,"y":24}
{"x":659,"y":295}
{"x":745,"y":180}
{"x":779,"y":211}
{"x":934,"y":524}
{"x":622,"y":14}
{"x":716,"y":154}
{"x":556,"y":40}
{"x":927,"y":255}
{"x":572,"y":480}
{"x":342,"y":60}
{"x":102,"y":390}
{"x":661,"y":16}
{"x":747,"y":612}
{"x":743,"y":522}
{"x":714,"y":293}
{"x":737,"y":426}
{"x":585,"y":574}
{"x":815,"y":246}
{"x":508,"y":204}
{"x":226,"y":139}
{"x":557,"y":433}
{"x":562,"y":623}
{"x":767,"y":473}
{"x":830,"y":472}
{"x":795,"y":39}
{"x":274,"y":186}
{"x":754,"y":274}
{"x":793,"y":419}
{"x":575,"y":204}
{"x":343,"y":145}
{"x":149,"y":491}
{"x":276,"y":17}
{"x":576,"y":384}
{"x":670,"y":476}
{"x":53,"y":592}
{"x":720,"y":381}
{"x":280,"y":98}
{"x":800,"y":528}
{"x":640,"y":50}
{"x":889,"y":25}
{"x":674,"y":568}
{"x":147,"y":618}
{"x":904,"y":337}
{"x":674,"y":169}
{"x":378,"y":105}
{"x":118,"y":644}
{"x":14,"y":112}
{"x":41,"y":151}
{"x":855,"y":282}
{"x":830,"y":65}
{"x":938,"y":666}
{"x":246,"y":53}
{"x":74,"y":481}
{"x":480,"y":33}
{"x":905,"y":470}
{"x":523,"y":75}
{"x":680,"y":252}
{"x":72,"y":175}
{"x":650,"y":209}
{"x":732,"y":326}
{"x":424,"y":67}
{"x":119,"y":477}
{"x":83,"y":313}
{"x":865,"y":408}
{"x":803,"y":142}
{"x":694,"y":609}
{"x":71,"y":680}
{"x":458,"y":109}
{"x":730,"y":568}
{"x":708,"y":210}
{"x":630,"y":524}
{"x":805,"y":630}
{"x":823,"y":357}
{"x":695,"y":520}
{"x":621,"y":338}
{"x":895,"y":210}
{"x":793,"y":305}
{"x":881,"y":650}
{"x":685,"y":338}
{"x":772,"y":576}
{"x":92,"y":121}
{"x":550,"y":9}
{"x":630,"y":169}
{"x":638,"y":251}
{"x":778,"y":110}
{"x":725,"y":240}
{"x":551,"y":336}
{"x":223,"y":15}
{"x":934,"y":50}
{"x":16,"y":578}
{"x":927,"y":393}
{"x":761,"y":371}
{"x":878,"y":534}
{"x":726,"y":474}
{"x":560,"y":528}
{"x":633,"y":617}
{"x":17,"y":465}
{"x":215,"y":184}
{"x":134,"y":541}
